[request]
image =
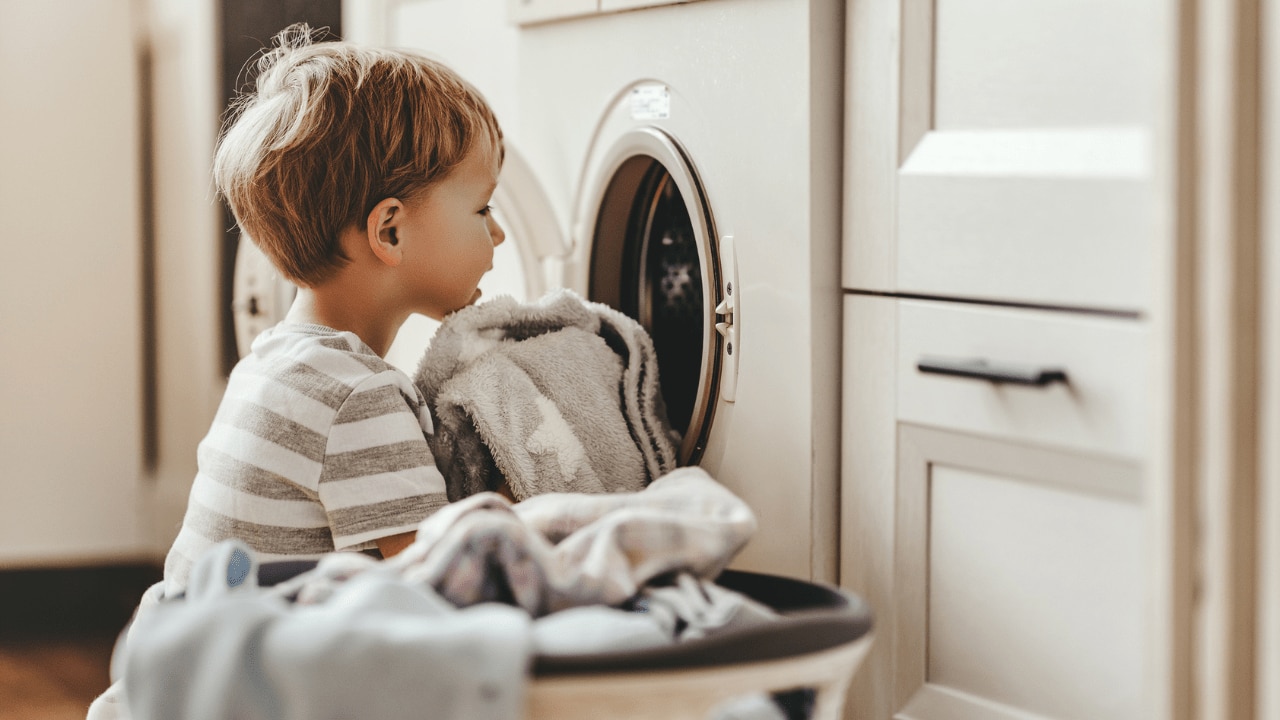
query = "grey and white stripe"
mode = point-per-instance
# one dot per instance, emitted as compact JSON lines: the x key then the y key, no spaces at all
{"x":318,"y":446}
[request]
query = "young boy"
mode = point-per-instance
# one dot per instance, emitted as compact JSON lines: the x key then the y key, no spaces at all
{"x":365,"y":176}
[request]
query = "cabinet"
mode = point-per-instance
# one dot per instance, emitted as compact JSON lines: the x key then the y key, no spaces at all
{"x":71,"y":476}
{"x":1005,"y":212}
{"x":998,"y":529}
{"x":1020,"y":571}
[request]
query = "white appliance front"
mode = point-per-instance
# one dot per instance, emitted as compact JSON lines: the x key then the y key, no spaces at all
{"x":695,"y":149}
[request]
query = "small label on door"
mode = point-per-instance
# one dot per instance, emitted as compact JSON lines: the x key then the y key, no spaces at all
{"x":650,"y":102}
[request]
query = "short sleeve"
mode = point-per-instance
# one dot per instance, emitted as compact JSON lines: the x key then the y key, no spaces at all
{"x":379,"y":476}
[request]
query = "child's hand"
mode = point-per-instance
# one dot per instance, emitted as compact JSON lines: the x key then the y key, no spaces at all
{"x":394,"y":544}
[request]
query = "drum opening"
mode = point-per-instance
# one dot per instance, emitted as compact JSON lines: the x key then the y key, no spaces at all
{"x":650,"y":260}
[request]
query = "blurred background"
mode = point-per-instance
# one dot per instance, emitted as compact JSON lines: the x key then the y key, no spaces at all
{"x":117,"y":335}
{"x":117,"y":300}
{"x":117,"y":306}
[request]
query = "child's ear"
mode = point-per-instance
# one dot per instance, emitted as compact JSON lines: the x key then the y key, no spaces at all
{"x":382,"y":231}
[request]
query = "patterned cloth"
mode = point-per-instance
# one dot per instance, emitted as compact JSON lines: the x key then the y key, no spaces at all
{"x":318,"y":445}
{"x":562,"y":550}
{"x":379,"y":648}
{"x":356,"y":637}
{"x":560,"y":395}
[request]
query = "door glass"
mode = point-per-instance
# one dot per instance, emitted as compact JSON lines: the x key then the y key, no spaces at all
{"x":668,"y":298}
{"x":648,"y":261}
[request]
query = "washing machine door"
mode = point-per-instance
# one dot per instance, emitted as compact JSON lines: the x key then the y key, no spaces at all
{"x":523,"y":267}
{"x":654,"y":256}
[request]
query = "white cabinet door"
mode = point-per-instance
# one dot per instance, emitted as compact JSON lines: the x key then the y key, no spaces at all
{"x":996,"y":529}
{"x":1006,"y":150}
{"x":1020,"y":577}
{"x":1034,"y":181}
{"x":71,"y":370}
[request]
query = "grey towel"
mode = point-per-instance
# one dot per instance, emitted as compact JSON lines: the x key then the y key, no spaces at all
{"x":558,"y":395}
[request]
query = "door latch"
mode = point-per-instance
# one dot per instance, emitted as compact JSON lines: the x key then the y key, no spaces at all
{"x":727,"y":320}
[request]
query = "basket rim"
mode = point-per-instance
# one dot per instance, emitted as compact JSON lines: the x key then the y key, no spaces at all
{"x":812,"y":617}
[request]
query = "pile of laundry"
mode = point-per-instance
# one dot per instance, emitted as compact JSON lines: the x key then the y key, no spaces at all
{"x":555,"y":395}
{"x":449,"y":627}
{"x":610,"y":548}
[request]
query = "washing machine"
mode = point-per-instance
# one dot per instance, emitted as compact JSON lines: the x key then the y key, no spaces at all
{"x":695,"y":150}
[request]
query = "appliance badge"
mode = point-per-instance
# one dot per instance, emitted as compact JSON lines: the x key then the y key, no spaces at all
{"x":650,"y":102}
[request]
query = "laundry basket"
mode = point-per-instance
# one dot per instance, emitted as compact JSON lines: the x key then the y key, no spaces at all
{"x":822,"y":635}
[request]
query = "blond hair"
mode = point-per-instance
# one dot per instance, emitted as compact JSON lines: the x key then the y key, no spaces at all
{"x":331,"y":130}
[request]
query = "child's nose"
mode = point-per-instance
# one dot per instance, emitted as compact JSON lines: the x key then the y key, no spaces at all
{"x":496,"y":232}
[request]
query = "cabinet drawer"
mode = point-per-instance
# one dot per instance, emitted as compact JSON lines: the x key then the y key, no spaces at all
{"x":1044,"y":217}
{"x":1098,"y":408}
{"x":1038,"y":180}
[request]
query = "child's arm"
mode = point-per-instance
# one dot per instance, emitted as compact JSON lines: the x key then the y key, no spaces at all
{"x":394,"y":544}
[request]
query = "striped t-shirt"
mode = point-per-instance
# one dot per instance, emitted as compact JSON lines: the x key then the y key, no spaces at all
{"x":318,"y":445}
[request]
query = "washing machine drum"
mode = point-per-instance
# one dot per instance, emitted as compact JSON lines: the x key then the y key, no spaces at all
{"x":652,"y":258}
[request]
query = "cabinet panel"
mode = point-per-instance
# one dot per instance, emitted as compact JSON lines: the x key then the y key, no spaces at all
{"x":1050,"y":217}
{"x":1026,"y":135}
{"x":1021,"y":581}
{"x":867,"y":494}
{"x":1034,"y":594}
{"x":70,"y":287}
{"x":1100,"y":408}
{"x":1050,"y":63}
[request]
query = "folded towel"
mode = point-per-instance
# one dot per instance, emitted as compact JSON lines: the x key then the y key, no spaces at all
{"x":558,"y":395}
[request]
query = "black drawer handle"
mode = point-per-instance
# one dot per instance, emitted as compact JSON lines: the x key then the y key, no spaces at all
{"x":981,"y":369}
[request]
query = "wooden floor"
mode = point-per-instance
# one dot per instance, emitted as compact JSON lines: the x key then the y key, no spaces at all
{"x":54,"y":679}
{"x":57,"y":631}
